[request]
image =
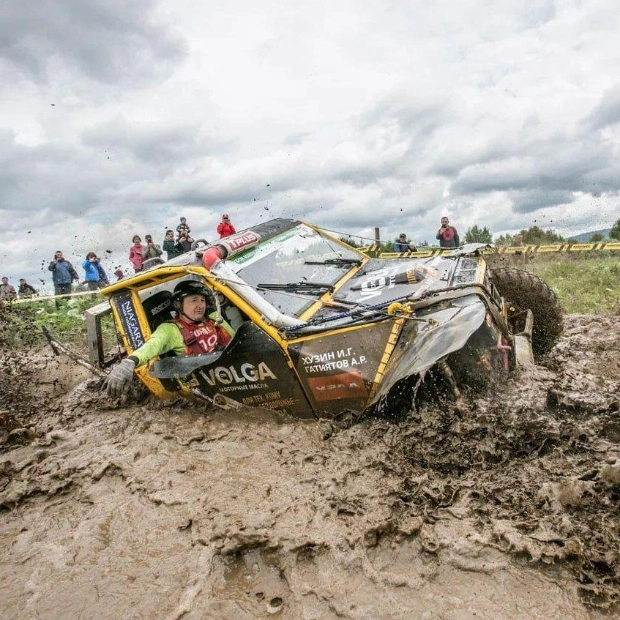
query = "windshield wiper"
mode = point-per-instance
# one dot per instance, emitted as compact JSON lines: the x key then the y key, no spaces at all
{"x":341,"y":262}
{"x":298,"y":287}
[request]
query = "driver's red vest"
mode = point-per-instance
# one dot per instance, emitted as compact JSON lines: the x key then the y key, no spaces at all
{"x":203,"y":337}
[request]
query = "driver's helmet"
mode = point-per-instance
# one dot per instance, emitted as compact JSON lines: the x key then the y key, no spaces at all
{"x":192,"y":287}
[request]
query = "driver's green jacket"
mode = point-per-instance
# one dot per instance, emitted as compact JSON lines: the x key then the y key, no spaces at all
{"x":167,"y":337}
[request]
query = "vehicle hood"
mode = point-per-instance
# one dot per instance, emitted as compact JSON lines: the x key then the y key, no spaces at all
{"x":381,"y":281}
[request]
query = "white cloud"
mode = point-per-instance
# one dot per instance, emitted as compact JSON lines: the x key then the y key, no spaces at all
{"x":348,"y":114}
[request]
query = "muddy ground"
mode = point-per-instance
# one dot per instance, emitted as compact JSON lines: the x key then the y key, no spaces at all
{"x":505,"y":508}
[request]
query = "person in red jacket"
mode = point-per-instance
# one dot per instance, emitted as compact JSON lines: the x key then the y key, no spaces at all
{"x":225,"y":227}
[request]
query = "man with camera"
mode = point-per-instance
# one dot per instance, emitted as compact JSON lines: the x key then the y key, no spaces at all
{"x":63,"y":274}
{"x":151,"y":254}
{"x":152,"y":250}
{"x":447,"y":235}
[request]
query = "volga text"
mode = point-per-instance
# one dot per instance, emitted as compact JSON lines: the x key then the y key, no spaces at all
{"x":226,"y":375}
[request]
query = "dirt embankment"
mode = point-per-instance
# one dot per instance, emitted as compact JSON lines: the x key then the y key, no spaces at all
{"x":506,"y":508}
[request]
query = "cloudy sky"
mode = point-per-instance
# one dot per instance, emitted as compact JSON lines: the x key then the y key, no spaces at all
{"x":118,"y":117}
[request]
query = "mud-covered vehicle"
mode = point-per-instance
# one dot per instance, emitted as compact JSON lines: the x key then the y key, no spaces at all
{"x":322,"y":328}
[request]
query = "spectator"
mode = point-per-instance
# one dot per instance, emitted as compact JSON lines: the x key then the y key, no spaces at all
{"x":185,"y":240}
{"x":63,"y":275}
{"x":7,"y":291}
{"x":447,"y":235}
{"x":119,"y":274}
{"x":152,"y":250}
{"x":183,"y":225}
{"x":225,"y":227}
{"x":25,"y":290}
{"x":136,"y":252}
{"x":171,"y":247}
{"x":95,"y":275}
{"x":517,"y":240}
{"x":194,"y":331}
{"x":402,"y":244}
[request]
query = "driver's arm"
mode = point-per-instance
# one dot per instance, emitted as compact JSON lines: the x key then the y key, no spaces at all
{"x":167,"y":337}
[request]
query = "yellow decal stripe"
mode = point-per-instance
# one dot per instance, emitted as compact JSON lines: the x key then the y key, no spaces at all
{"x":387,"y":353}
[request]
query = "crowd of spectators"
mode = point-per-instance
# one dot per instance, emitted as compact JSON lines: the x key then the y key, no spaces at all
{"x":142,"y":256}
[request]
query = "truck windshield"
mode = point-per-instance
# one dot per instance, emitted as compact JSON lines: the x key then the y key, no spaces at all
{"x":295,"y":268}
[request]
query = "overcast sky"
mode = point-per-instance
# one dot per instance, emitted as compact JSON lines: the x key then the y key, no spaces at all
{"x":117,"y":117}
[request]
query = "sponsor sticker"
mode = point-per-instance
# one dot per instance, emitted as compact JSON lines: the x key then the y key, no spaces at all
{"x":343,"y":385}
{"x":131,"y":326}
{"x":241,"y":241}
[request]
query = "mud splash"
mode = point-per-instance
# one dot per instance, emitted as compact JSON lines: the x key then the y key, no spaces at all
{"x":505,"y":507}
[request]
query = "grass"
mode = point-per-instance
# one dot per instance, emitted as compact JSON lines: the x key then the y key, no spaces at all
{"x":21,"y":325}
{"x":585,"y":284}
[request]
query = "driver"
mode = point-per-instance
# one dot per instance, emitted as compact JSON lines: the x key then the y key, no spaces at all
{"x":192,"y":332}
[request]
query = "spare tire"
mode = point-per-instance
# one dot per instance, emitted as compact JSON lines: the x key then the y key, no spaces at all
{"x":525,"y":291}
{"x":199,"y":244}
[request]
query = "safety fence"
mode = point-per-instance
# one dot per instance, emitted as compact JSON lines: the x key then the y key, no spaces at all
{"x":51,"y":298}
{"x":376,"y":252}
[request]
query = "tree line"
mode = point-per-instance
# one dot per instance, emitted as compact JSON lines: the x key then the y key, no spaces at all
{"x":534,"y":235}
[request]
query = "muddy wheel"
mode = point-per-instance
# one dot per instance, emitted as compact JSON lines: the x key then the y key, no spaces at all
{"x":525,"y":291}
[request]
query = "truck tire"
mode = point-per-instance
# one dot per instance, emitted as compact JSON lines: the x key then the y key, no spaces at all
{"x":525,"y":291}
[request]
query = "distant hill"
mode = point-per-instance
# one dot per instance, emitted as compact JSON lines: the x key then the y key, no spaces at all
{"x":585,"y":237}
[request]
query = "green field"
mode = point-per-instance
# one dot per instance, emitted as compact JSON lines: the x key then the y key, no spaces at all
{"x":585,"y":284}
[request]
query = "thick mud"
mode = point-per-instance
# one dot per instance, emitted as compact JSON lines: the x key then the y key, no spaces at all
{"x":503,"y":507}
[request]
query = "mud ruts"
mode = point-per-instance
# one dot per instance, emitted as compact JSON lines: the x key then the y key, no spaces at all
{"x":505,"y":506}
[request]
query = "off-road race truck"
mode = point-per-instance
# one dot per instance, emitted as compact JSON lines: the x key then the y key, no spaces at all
{"x":322,"y":328}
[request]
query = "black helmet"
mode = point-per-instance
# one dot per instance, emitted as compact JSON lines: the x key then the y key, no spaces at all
{"x":191,"y":287}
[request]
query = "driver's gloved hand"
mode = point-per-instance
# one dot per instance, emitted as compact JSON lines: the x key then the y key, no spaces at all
{"x":119,"y":379}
